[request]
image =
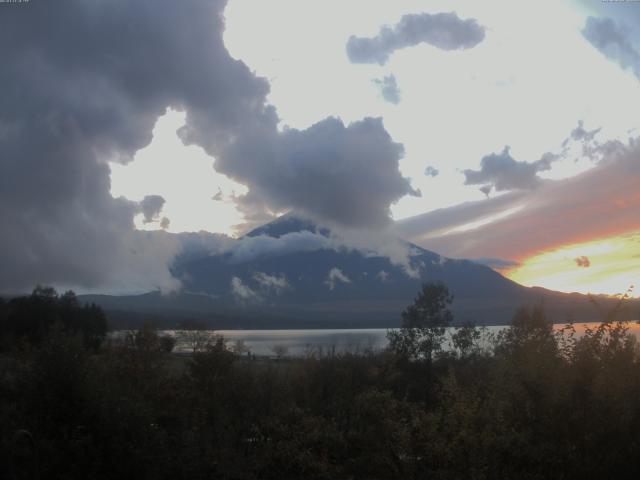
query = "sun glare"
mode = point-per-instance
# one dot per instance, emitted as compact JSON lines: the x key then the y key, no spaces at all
{"x":606,"y":266}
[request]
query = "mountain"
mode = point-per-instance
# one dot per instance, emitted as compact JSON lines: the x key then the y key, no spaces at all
{"x":291,"y":273}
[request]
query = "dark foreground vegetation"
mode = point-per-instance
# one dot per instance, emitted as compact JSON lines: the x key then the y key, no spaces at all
{"x":528,"y":403}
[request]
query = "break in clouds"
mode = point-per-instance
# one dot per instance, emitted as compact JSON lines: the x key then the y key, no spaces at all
{"x":445,"y":31}
{"x":84,"y":83}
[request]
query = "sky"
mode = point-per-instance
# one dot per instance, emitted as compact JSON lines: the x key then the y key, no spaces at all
{"x":503,"y":132}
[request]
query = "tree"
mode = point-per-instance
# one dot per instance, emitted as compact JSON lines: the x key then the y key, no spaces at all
{"x":210,"y":367}
{"x":195,"y":335}
{"x":280,"y":351}
{"x":423,"y":324}
{"x":531,"y":333}
{"x":32,"y":318}
{"x":167,"y":343}
{"x":240,"y":347}
{"x":465,"y":339}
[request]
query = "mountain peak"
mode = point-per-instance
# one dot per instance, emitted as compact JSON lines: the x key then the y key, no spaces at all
{"x":288,"y":223}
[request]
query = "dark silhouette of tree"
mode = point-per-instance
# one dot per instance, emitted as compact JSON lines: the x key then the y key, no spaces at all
{"x":531,"y":405}
{"x":280,"y":351}
{"x":423,"y":324}
{"x":530,"y":333}
{"x":195,"y":335}
{"x":465,"y":339}
{"x":32,"y":318}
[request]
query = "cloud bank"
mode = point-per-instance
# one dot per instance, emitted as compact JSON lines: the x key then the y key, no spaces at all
{"x":248,"y":248}
{"x":83,"y":85}
{"x":347,"y":174}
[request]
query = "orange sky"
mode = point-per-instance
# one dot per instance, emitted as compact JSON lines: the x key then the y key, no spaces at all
{"x":604,"y":266}
{"x":595,"y":215}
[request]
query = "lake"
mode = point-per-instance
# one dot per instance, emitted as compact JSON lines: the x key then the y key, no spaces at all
{"x":302,"y":342}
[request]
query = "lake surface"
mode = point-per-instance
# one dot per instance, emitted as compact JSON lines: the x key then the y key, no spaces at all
{"x":270,"y":343}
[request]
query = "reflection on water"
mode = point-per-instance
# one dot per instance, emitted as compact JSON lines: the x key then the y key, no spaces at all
{"x":303,"y":342}
{"x":268,"y":343}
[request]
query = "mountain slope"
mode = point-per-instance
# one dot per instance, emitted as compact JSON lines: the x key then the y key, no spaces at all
{"x":292,"y":274}
{"x":365,"y":288}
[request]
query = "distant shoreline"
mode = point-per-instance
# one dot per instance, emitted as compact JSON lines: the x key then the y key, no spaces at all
{"x":304,"y":342}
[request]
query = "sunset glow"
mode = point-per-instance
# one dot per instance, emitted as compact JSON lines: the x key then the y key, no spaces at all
{"x":605,"y":266}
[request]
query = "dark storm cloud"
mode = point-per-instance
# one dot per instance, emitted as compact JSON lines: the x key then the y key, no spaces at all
{"x":445,"y":31}
{"x":83,"y":83}
{"x":150,"y":207}
{"x":345,"y":174}
{"x":389,"y":89}
{"x":614,"y":41}
{"x":502,"y":172}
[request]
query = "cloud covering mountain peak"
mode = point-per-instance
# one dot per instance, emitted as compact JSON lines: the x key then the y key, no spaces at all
{"x":83,"y":85}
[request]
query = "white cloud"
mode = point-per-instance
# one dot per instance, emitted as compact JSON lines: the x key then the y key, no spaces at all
{"x":242,"y":292}
{"x":383,"y":276}
{"x":335,"y":277}
{"x":274,"y":283}
{"x":248,"y":248}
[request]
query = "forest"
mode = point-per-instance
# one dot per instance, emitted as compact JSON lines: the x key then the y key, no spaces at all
{"x":531,"y":402}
